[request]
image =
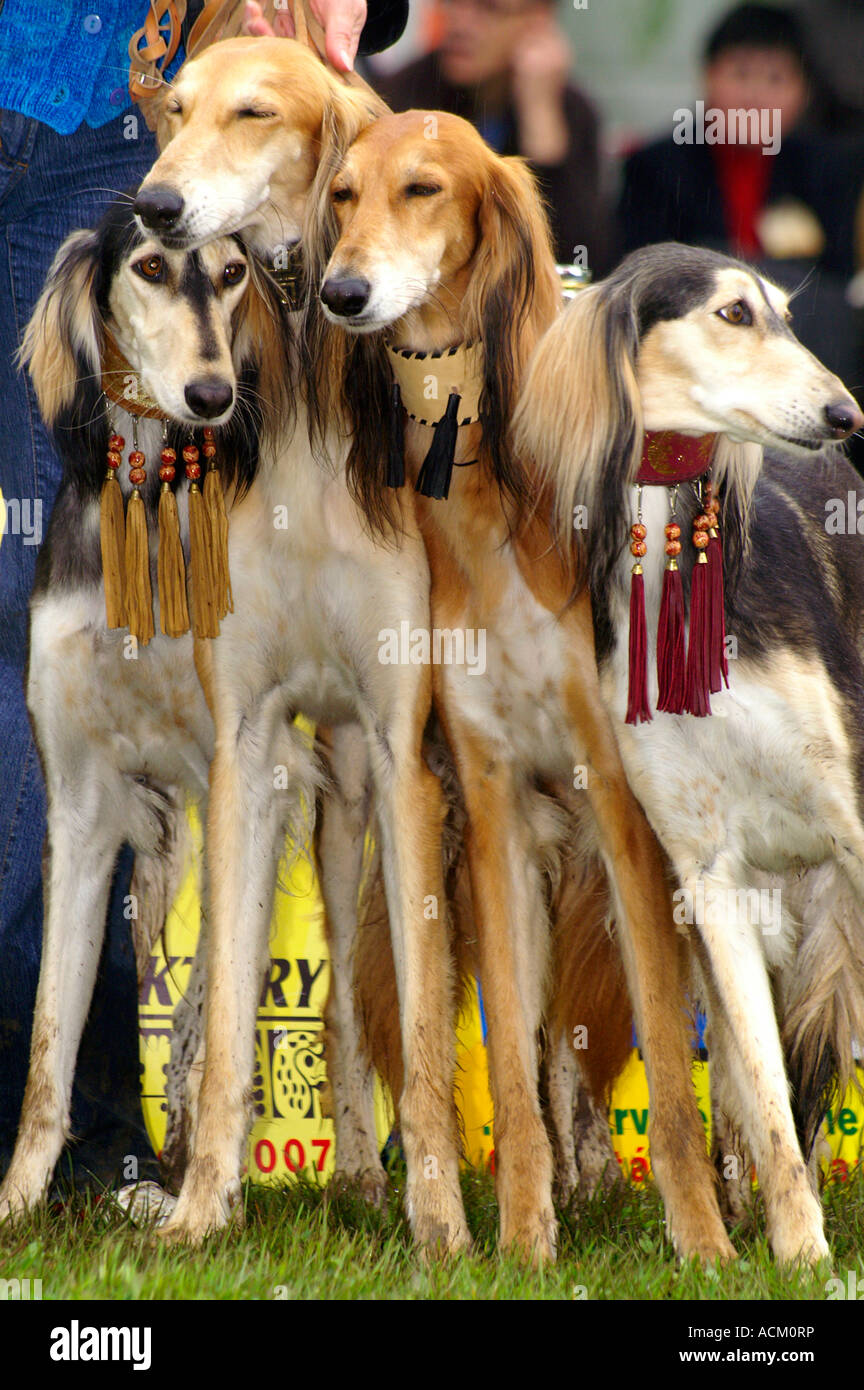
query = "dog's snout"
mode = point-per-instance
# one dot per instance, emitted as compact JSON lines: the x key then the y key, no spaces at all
{"x":843,"y":418}
{"x":158,"y":207}
{"x":209,"y":398}
{"x":347,"y":296}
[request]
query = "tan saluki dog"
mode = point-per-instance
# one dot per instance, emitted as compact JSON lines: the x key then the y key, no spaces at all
{"x":443,"y":244}
{"x":248,"y":128}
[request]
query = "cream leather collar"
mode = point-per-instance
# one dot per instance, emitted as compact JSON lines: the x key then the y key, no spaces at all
{"x":427,"y":380}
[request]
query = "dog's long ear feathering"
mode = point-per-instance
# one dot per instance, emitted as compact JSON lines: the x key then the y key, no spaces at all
{"x":263,"y":350}
{"x":63,"y":340}
{"x":512,"y":295}
{"x":62,"y":344}
{"x":579,"y":418}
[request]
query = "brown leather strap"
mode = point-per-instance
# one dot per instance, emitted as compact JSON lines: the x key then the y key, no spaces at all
{"x":116,"y":372}
{"x":153,"y":46}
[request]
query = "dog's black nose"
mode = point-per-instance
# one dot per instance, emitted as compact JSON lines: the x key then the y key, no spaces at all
{"x":158,"y":207}
{"x":346,"y":297}
{"x":843,"y":419}
{"x":209,"y":398}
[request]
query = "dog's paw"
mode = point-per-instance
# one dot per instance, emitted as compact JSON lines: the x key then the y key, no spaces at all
{"x":15,"y":1203}
{"x":531,"y":1237}
{"x":794,"y":1251}
{"x":201,"y":1213}
{"x":370,"y":1186}
{"x":438,"y":1223}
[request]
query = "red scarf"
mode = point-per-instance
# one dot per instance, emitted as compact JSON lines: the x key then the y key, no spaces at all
{"x":743,"y":174}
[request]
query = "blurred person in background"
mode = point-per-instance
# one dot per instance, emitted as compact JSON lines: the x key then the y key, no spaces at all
{"x":504,"y":65}
{"x":791,"y":211}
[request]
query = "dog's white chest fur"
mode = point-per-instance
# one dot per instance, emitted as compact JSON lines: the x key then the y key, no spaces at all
{"x":517,"y":701}
{"x":312,"y":591}
{"x":754,"y":783}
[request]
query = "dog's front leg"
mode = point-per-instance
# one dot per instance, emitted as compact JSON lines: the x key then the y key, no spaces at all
{"x":511,"y":923}
{"x":581,"y":1140}
{"x":753,"y":1059}
{"x":82,"y":847}
{"x":410,"y":815}
{"x":245,"y":825}
{"x":342,"y":825}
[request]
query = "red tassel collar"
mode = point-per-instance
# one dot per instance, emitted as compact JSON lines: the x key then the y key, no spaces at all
{"x":686,"y":678}
{"x":669,"y":457}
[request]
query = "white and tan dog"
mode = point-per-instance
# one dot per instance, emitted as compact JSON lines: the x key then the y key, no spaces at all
{"x":252,"y":127}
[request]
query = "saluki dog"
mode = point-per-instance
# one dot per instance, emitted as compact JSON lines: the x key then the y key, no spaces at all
{"x":316,"y":568}
{"x":123,"y":728}
{"x":443,"y":275}
{"x":761,"y":801}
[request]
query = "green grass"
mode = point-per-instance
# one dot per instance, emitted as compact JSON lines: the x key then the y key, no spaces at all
{"x":312,"y":1248}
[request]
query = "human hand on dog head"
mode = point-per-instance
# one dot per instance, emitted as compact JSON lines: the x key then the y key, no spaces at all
{"x":341,"y":20}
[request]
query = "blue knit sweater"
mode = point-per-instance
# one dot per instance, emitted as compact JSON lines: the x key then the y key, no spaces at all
{"x":67,"y":61}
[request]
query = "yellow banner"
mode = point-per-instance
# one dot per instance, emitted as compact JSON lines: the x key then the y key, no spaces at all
{"x":290,"y":1136}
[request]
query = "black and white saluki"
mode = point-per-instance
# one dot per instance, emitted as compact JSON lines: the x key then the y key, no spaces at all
{"x":766,"y":793}
{"x":123,"y":728}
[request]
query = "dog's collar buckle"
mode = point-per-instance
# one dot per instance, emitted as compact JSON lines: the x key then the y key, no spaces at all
{"x":289,"y":276}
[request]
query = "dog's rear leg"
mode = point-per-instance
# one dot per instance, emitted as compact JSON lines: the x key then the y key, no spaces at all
{"x":513,"y":942}
{"x":186,"y":1063}
{"x":410,"y":811}
{"x":79,"y":865}
{"x":342,"y":825}
{"x":244,"y":839}
{"x":579,"y":1128}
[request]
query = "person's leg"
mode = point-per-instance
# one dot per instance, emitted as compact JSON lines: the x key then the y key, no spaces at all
{"x":50,"y":185}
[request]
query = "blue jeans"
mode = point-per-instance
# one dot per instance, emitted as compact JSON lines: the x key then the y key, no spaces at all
{"x":49,"y":185}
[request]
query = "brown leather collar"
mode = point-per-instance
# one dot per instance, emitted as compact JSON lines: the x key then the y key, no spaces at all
{"x":122,"y":385}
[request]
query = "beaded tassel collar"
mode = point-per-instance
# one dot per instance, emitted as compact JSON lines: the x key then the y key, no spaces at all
{"x":124,"y":538}
{"x":686,"y":678}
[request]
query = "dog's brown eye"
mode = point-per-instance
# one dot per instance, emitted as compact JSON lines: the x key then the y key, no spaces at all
{"x":422,"y":190}
{"x":737,"y":313}
{"x":174,"y":108}
{"x":341,"y":195}
{"x":233,"y":273}
{"x":150,"y":268}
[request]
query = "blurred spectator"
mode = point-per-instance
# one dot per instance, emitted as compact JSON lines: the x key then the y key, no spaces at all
{"x":504,"y":66}
{"x":834,"y":33}
{"x":766,"y":190}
